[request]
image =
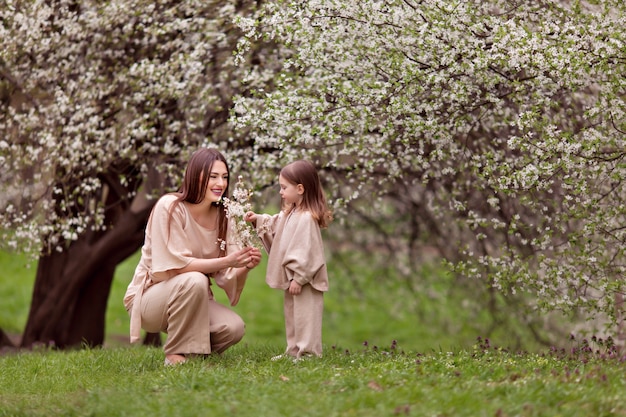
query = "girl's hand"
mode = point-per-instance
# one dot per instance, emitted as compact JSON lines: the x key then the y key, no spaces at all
{"x":250,"y":216}
{"x":295,"y":288}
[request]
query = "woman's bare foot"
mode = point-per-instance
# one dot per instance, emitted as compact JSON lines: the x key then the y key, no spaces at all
{"x":174,"y":359}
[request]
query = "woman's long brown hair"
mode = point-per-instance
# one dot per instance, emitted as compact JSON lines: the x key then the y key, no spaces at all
{"x":194,"y":186}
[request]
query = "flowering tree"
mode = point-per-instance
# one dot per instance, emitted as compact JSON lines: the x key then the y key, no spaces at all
{"x":101,"y":104}
{"x":493,"y":130}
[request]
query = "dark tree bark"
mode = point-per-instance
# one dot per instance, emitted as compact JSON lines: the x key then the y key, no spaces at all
{"x":72,"y":287}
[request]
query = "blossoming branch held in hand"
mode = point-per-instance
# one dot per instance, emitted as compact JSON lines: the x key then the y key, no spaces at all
{"x":243,"y":232}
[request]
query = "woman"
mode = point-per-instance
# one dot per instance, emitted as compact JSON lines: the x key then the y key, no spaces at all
{"x":186,"y":244}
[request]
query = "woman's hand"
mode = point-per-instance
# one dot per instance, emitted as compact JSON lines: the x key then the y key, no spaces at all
{"x":255,"y":258}
{"x":248,"y":257}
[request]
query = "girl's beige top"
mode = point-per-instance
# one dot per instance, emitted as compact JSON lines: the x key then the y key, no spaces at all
{"x":296,"y":250}
{"x":169,"y":248}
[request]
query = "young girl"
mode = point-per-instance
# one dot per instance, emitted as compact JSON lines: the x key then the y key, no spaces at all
{"x":296,"y":262}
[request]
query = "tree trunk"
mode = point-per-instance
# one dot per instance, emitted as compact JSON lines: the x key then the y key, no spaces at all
{"x":72,"y":287}
{"x":5,"y":341}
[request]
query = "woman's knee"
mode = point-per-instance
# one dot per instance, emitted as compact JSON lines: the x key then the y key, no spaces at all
{"x":237,"y":329}
{"x":194,"y":282}
{"x":227,"y":334}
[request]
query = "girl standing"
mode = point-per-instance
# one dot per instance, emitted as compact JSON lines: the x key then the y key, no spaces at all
{"x":187,"y":243}
{"x":296,"y":262}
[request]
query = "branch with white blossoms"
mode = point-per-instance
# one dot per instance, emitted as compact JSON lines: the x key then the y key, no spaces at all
{"x":243,"y":232}
{"x":503,"y":128}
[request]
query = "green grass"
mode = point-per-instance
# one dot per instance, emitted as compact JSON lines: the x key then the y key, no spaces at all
{"x":242,"y":382}
{"x":388,"y":351}
{"x":16,"y":284}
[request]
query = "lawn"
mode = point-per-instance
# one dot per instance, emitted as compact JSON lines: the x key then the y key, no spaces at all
{"x":382,"y":357}
{"x":382,"y":381}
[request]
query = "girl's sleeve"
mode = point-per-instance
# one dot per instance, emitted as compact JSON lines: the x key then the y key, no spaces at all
{"x":304,"y":255}
{"x":266,"y":229}
{"x":169,"y":240}
{"x":228,"y":279}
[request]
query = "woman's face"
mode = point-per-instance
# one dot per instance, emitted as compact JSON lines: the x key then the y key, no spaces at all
{"x":218,"y":182}
{"x":290,"y":192}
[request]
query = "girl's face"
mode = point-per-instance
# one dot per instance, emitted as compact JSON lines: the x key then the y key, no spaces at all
{"x":291,"y":193}
{"x":218,"y":182}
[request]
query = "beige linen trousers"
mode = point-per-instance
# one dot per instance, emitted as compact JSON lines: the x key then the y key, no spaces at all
{"x":303,"y":322}
{"x":184,"y":308}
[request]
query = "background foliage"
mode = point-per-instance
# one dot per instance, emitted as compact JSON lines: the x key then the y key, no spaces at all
{"x":488,"y":133}
{"x":492,"y":131}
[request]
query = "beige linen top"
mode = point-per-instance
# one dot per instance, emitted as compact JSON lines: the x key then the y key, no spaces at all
{"x":169,"y":248}
{"x":296,"y":250}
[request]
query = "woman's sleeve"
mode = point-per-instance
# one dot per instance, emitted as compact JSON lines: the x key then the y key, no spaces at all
{"x":304,"y":255}
{"x":228,"y":279}
{"x":170,"y":249}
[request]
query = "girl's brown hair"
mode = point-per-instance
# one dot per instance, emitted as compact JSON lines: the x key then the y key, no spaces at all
{"x":304,"y":172}
{"x":194,"y":186}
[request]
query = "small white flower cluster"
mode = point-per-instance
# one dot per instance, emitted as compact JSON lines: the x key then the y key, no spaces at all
{"x":243,"y":232}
